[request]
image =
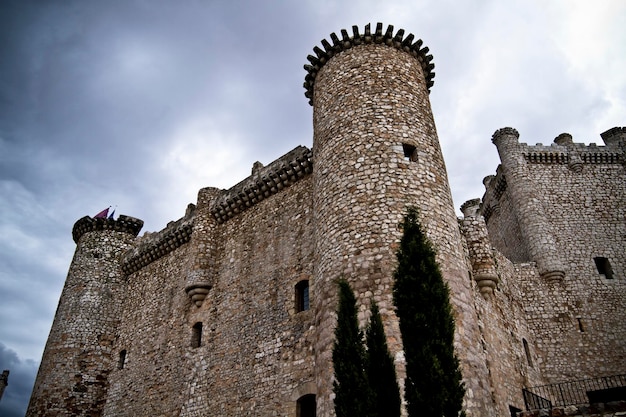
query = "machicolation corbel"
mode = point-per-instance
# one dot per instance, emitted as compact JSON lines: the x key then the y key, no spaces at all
{"x":263,"y":183}
{"x":197,"y":292}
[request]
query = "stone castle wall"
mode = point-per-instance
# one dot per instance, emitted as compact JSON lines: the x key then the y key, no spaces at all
{"x":579,"y":322}
{"x":205,"y":316}
{"x":255,"y":352}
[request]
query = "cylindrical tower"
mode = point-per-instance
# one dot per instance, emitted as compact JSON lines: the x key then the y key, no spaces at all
{"x":73,"y":375}
{"x":534,"y":225}
{"x":376,"y":152}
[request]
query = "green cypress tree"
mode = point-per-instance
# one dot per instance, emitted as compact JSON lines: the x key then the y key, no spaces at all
{"x":433,"y":384}
{"x":350,"y":385}
{"x":381,"y":372}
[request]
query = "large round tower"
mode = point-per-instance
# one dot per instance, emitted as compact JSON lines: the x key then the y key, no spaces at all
{"x":73,"y":376}
{"x":376,"y":152}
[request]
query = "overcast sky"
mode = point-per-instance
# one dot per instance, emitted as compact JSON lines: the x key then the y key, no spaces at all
{"x":138,"y":104}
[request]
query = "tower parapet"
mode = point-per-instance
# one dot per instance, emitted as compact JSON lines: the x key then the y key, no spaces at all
{"x":125,"y":224}
{"x":398,"y":41}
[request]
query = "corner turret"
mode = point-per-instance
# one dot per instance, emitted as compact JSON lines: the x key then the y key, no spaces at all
{"x":73,"y":376}
{"x":537,"y":235}
{"x":614,"y":137}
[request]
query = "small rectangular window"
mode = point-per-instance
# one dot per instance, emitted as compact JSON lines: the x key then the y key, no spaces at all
{"x":604,"y":267}
{"x":410,"y":152}
{"x":302,"y":296}
{"x":122,"y":359}
{"x":196,"y":335}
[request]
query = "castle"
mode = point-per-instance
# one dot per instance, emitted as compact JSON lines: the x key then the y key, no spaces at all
{"x":230,"y":310}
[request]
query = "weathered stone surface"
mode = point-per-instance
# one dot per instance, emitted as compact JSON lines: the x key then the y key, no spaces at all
{"x":203,"y":317}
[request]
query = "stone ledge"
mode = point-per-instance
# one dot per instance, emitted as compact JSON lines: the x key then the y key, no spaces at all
{"x":157,"y":245}
{"x":264,"y":182}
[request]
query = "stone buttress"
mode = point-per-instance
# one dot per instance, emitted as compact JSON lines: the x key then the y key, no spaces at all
{"x":376,"y":152}
{"x":73,"y":376}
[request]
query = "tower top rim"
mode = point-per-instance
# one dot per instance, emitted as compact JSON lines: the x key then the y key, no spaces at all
{"x":127,"y":224}
{"x":397,"y":40}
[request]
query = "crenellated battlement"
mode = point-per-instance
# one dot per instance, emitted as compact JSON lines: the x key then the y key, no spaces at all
{"x":264,"y":182}
{"x":121,"y":224}
{"x":566,"y":152}
{"x":156,"y":245}
{"x":231,"y":308}
{"x":397,"y":41}
{"x":495,"y":186}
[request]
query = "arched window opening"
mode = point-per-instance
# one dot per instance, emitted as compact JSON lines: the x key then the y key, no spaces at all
{"x":302,"y":296}
{"x":122,"y":360}
{"x":196,"y":335}
{"x":305,"y":407}
{"x":527,"y":352}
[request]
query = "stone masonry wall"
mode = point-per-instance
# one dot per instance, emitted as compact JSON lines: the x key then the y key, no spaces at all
{"x":259,"y":350}
{"x":580,"y":323}
{"x":255,"y":356}
{"x":509,"y":346}
{"x":513,"y":356}
{"x":156,"y":336}
{"x":79,"y":355}
{"x":376,"y":152}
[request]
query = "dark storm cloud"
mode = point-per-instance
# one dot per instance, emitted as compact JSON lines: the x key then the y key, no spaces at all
{"x":20,"y":383}
{"x":138,"y":104}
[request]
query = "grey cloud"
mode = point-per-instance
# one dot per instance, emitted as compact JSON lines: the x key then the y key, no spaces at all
{"x":93,"y":95}
{"x":21,"y":380}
